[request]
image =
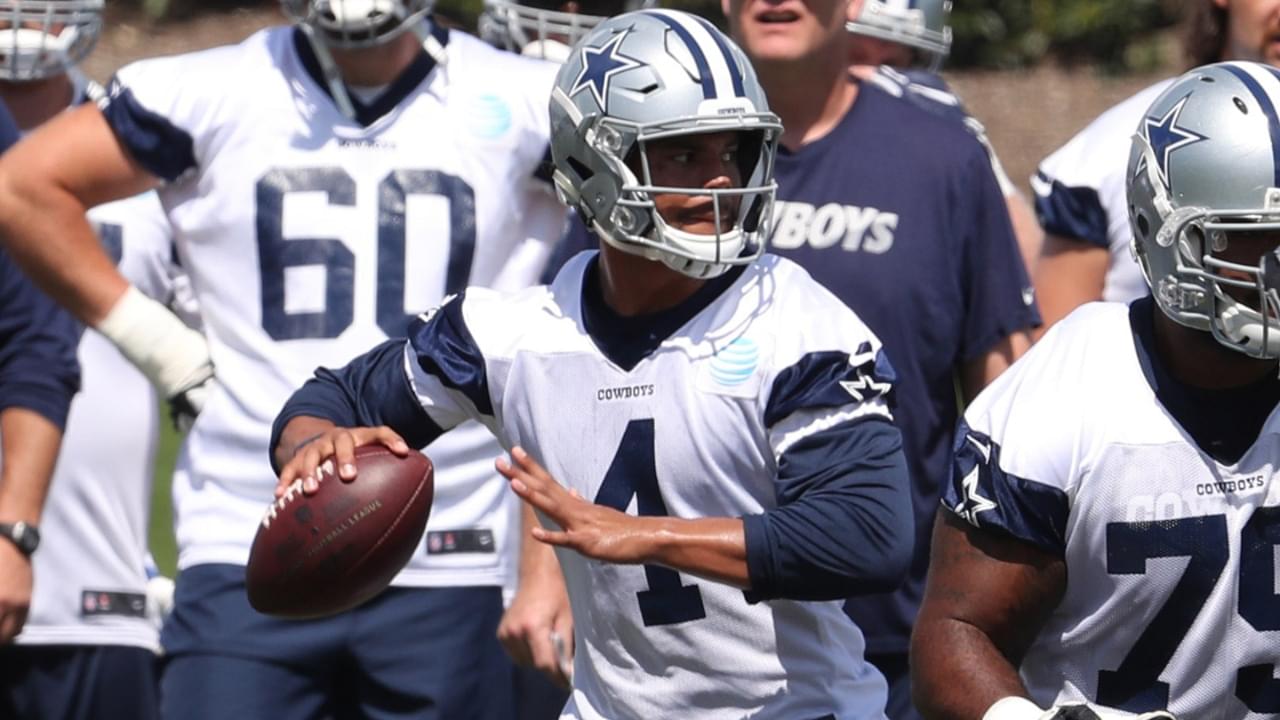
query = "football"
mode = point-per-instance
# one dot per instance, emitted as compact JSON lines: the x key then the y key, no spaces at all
{"x":328,"y":552}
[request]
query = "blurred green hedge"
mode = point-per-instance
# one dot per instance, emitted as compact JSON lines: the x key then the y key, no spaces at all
{"x":1115,"y":34}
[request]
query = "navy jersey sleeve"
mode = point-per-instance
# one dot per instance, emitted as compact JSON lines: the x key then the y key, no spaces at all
{"x":1072,"y":213}
{"x":419,"y":387}
{"x":38,"y":341}
{"x":843,"y":521}
{"x":371,"y":390}
{"x":998,"y":297}
{"x":983,"y":493}
{"x":843,"y":525}
{"x":152,"y":140}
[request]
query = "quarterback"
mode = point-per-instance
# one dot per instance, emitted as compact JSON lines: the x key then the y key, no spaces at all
{"x":703,"y":429}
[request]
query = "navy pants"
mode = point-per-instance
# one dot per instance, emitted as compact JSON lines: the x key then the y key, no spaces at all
{"x":77,"y":682}
{"x":410,"y":653}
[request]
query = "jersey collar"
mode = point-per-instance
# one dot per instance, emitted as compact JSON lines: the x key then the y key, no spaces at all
{"x":626,"y":340}
{"x":1223,"y":423}
{"x":398,"y":90}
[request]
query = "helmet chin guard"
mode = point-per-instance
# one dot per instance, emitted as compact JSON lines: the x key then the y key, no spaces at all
{"x":46,"y":38}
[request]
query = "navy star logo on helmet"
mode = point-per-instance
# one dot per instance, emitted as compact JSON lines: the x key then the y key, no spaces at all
{"x":1165,"y":137}
{"x":599,"y":66}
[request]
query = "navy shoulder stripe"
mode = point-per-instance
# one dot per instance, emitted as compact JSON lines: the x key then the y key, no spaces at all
{"x":447,"y":351}
{"x":159,"y":146}
{"x":828,"y":379}
{"x":1072,"y":213}
{"x":987,"y":497}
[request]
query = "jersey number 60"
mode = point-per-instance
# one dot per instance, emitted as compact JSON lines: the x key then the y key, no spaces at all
{"x":276,"y":254}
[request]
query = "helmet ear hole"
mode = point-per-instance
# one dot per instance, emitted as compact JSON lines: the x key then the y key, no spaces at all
{"x":1144,"y":225}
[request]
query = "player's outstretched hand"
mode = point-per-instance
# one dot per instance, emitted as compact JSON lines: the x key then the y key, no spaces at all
{"x":339,"y":444}
{"x":15,"y":590}
{"x":593,"y":530}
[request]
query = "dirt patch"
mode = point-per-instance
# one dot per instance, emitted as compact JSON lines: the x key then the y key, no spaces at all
{"x":1028,"y":113}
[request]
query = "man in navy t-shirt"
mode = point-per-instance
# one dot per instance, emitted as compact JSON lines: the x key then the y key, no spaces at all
{"x":38,"y":376}
{"x":897,"y":211}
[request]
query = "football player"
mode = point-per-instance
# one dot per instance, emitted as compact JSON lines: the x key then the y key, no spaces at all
{"x":324,"y":181}
{"x":895,"y":209}
{"x":901,"y":45}
{"x":88,"y":647}
{"x":1107,"y":541}
{"x":703,"y":429}
{"x":1080,"y":187}
{"x":38,"y":376}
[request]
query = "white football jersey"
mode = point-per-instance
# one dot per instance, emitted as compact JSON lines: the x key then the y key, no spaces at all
{"x":694,"y":429}
{"x":1171,"y":597}
{"x":310,"y":237}
{"x":1080,"y":191}
{"x":90,"y":583}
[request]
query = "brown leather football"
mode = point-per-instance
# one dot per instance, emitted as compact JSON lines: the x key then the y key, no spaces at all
{"x":325,"y":553}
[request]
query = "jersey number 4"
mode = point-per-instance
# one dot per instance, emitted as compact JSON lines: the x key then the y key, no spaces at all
{"x":278,"y":254}
{"x":633,"y":474}
{"x":1135,"y":686}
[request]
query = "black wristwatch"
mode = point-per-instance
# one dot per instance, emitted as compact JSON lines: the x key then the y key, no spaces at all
{"x":26,"y":537}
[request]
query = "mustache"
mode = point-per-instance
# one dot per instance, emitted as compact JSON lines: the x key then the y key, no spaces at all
{"x":705,"y":211}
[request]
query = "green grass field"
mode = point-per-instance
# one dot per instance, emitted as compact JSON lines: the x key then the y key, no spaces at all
{"x":160,"y":533}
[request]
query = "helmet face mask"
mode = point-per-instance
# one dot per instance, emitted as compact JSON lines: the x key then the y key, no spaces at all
{"x":356,"y":23}
{"x":633,"y":83}
{"x":46,"y":38}
{"x":1204,"y":205}
{"x":536,"y":28}
{"x":921,"y":25}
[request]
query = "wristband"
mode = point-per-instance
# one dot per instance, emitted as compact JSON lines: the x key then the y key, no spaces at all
{"x":173,"y":356}
{"x":1013,"y":708}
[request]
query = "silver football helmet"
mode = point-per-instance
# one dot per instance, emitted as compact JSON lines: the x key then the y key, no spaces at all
{"x":1204,"y":170}
{"x":543,"y":28}
{"x":646,"y":76}
{"x":357,"y":23}
{"x":45,"y":38}
{"x":919,"y":24}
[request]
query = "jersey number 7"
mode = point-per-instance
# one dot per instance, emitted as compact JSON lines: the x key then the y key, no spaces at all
{"x":1135,"y":685}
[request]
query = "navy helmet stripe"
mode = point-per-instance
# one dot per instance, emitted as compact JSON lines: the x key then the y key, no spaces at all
{"x":1268,"y":109}
{"x":704,"y":69}
{"x":739,"y":88}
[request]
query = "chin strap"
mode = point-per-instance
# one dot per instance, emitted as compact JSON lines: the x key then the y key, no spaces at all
{"x":421,"y":26}
{"x":332,"y":76}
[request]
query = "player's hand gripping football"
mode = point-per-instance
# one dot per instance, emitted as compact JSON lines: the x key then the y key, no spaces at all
{"x":593,"y":530}
{"x":325,"y":442}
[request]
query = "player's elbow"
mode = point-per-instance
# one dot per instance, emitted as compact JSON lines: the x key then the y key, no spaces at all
{"x":896,"y":552}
